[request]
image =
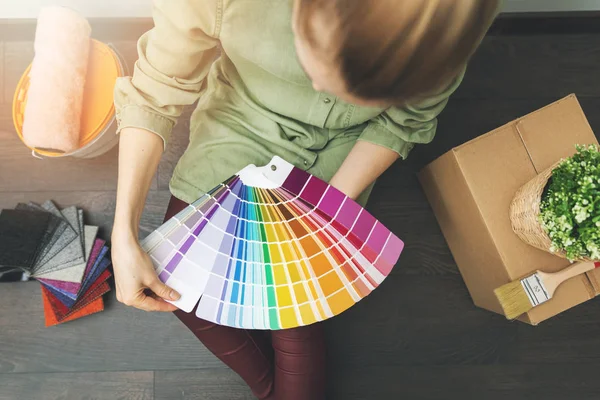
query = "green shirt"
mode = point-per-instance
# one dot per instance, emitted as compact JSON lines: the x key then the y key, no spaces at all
{"x":255,"y":101}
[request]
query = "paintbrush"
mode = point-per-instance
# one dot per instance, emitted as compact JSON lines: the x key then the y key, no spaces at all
{"x":520,"y":296}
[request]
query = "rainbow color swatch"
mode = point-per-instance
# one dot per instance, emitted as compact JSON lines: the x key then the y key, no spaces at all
{"x":272,"y":248}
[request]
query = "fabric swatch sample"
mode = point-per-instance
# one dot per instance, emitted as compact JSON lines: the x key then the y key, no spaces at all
{"x":100,"y":266}
{"x":81,"y":225}
{"x":62,"y":297}
{"x":98,"y":289}
{"x":70,"y":255}
{"x":97,"y":252}
{"x":93,"y":308}
{"x":63,"y":235}
{"x":75,"y":272}
{"x":65,"y":287}
{"x":51,"y":319}
{"x":21,"y":234}
{"x":72,"y":215}
{"x":53,"y":224}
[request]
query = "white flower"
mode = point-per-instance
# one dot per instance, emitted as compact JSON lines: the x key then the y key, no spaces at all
{"x":594,"y":251}
{"x":581,"y":213}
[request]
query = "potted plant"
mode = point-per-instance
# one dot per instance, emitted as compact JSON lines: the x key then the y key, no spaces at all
{"x":559,"y":210}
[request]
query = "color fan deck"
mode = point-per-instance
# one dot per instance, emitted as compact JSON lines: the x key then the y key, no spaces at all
{"x":272,"y":248}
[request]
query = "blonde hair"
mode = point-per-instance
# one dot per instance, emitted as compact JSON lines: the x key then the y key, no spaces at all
{"x":397,"y":50}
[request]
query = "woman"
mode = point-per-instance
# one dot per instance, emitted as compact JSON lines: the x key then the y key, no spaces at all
{"x":339,"y":88}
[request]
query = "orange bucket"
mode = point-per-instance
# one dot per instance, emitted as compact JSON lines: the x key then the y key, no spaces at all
{"x":98,"y":125}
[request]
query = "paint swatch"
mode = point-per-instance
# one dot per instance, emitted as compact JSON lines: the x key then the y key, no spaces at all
{"x":272,"y":248}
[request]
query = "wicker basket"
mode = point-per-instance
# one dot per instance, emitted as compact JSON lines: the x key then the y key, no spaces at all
{"x":525,"y":212}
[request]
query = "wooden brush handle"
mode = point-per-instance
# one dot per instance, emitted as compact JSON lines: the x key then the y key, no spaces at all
{"x":552,"y":281}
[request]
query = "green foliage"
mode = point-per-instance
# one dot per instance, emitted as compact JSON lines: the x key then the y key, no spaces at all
{"x":570,"y":208}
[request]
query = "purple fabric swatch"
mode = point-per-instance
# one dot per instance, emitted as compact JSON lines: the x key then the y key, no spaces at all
{"x":62,"y":297}
{"x":98,"y":266}
{"x":68,"y":287}
{"x":71,"y":289}
{"x":102,"y":262}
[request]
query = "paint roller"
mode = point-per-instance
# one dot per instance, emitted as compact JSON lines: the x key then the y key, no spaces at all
{"x":57,"y":80}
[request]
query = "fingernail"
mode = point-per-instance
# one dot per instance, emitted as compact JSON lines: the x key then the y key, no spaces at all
{"x":174,"y":295}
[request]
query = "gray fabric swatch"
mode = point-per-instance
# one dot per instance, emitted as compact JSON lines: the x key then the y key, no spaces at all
{"x":45,"y":241}
{"x":81,"y":229}
{"x":50,"y":249}
{"x":72,"y":254}
{"x":63,"y":235}
{"x":76,"y":272}
{"x":21,"y":234}
{"x":71,"y":214}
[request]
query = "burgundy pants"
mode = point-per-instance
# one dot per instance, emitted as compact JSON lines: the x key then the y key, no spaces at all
{"x":277,"y":365}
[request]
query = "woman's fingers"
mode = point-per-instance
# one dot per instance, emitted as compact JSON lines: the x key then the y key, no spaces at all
{"x":144,"y":302}
{"x":148,"y":303}
{"x":162,"y":290}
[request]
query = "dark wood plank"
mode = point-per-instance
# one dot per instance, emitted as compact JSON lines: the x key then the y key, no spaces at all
{"x":570,"y":337}
{"x":418,"y":320}
{"x":574,"y":22}
{"x":119,"y":339}
{"x":21,"y":172}
{"x":518,"y":382}
{"x":516,"y":67}
{"x":406,"y":212}
{"x":205,"y":384}
{"x":77,"y":386}
{"x":17,"y":56}
{"x":99,"y":207}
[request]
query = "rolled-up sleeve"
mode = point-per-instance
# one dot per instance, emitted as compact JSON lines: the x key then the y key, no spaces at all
{"x":174,"y":59}
{"x":400,"y":128}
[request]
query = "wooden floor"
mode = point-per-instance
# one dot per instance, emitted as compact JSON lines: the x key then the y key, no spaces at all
{"x":417,"y":337}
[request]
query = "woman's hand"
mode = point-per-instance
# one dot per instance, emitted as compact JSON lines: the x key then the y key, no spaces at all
{"x":134,"y":275}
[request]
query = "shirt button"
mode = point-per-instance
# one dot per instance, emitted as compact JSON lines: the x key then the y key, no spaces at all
{"x":327,"y":100}
{"x":305,"y":163}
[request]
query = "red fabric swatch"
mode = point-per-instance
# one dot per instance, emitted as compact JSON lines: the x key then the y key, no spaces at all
{"x":51,"y":320}
{"x":90,"y":303}
{"x":61,"y":310}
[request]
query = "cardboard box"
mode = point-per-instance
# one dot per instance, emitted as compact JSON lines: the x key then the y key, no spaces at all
{"x":471,"y":187}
